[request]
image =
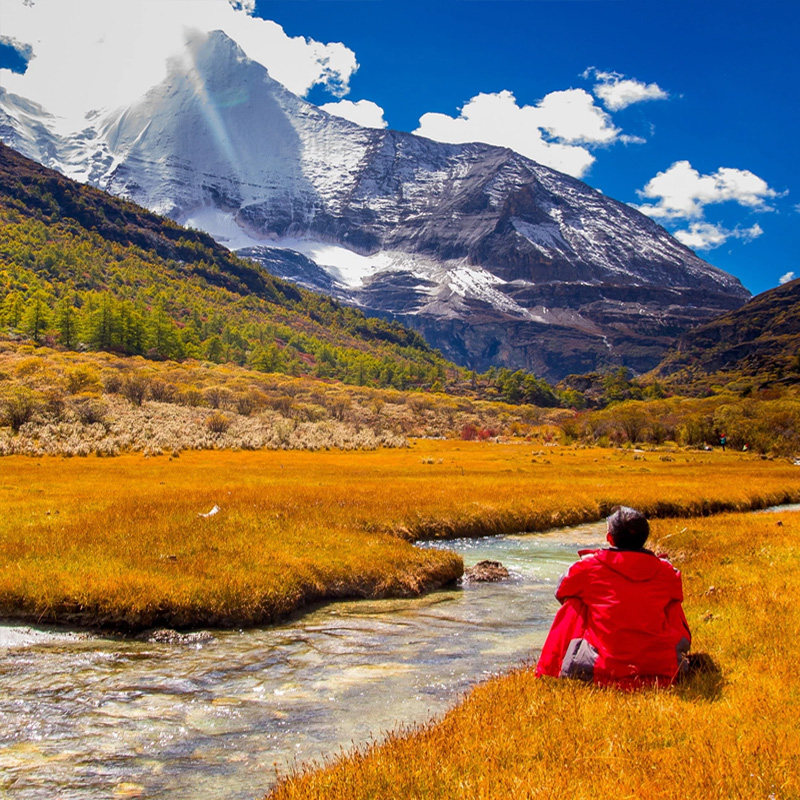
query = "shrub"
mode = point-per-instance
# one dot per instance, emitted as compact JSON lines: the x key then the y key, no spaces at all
{"x":191,"y":397}
{"x":248,"y":402}
{"x":88,"y":409}
{"x":218,"y":423}
{"x":84,"y":379}
{"x":282,"y":404}
{"x":135,"y":388}
{"x":469,"y":433}
{"x":18,"y":405}
{"x":162,"y":392}
{"x":112,"y":382}
{"x":217,"y":397}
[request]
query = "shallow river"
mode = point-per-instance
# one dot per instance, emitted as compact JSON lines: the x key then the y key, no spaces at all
{"x":96,"y":719}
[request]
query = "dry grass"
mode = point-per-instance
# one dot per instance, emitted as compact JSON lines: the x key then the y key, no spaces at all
{"x":734,"y":736}
{"x":76,"y":404}
{"x":118,"y":542}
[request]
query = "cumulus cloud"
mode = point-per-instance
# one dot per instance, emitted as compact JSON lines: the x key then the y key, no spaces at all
{"x":89,"y":54}
{"x":682,"y":192}
{"x":786,"y":277}
{"x":362,"y":112}
{"x":706,"y":236}
{"x":557,"y":132}
{"x":618,"y":92}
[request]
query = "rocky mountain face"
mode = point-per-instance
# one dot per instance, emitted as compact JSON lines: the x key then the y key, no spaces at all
{"x":496,"y":259}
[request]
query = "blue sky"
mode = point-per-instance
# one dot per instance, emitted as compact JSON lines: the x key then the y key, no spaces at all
{"x":719,"y":125}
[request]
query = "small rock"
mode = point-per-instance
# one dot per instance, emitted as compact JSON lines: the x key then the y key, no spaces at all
{"x":485,"y":572}
{"x":169,"y":636}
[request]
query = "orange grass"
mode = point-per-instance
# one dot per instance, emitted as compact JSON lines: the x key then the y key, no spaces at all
{"x":119,"y":543}
{"x":715,"y":738}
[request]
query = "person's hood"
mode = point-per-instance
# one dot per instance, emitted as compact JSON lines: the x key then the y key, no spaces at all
{"x":635,"y":565}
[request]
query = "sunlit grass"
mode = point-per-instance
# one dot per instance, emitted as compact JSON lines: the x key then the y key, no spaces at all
{"x":728,"y":736}
{"x":118,"y":542}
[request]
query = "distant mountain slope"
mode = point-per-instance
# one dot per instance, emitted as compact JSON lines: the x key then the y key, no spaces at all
{"x":495,"y":258}
{"x":81,"y":268}
{"x":761,"y":339}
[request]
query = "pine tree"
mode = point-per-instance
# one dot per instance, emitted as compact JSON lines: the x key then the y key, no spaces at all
{"x":36,"y":317}
{"x":66,"y":323}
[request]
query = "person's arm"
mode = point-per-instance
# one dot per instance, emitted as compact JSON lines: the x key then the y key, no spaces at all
{"x":572,"y":582}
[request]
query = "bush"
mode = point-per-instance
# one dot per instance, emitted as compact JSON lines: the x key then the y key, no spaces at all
{"x":162,"y":392}
{"x":135,"y":389}
{"x":191,"y":397}
{"x":85,"y":379}
{"x":89,"y":409}
{"x":217,"y":397}
{"x":217,"y":423}
{"x":18,"y":406}
{"x":249,"y":402}
{"x":469,"y":433}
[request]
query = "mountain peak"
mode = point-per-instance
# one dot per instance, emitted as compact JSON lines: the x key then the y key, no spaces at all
{"x":497,"y":259}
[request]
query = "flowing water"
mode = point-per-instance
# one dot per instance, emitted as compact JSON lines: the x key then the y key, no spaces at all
{"x":91,"y":718}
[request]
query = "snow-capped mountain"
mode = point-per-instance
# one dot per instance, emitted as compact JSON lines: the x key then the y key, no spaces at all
{"x":493,"y":257}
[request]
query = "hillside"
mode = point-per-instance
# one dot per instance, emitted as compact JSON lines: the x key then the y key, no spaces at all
{"x":84,"y":270}
{"x":758,"y":343}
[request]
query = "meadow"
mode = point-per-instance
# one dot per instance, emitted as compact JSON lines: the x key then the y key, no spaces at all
{"x":724,"y":734}
{"x":120,"y":543}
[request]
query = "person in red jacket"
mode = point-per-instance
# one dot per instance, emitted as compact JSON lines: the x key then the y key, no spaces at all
{"x":621,"y":621}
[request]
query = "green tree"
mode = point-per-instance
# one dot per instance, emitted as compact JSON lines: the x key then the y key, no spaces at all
{"x":66,"y":323}
{"x":36,"y":318}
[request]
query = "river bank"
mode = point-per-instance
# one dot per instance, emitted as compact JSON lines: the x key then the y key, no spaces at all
{"x":133,"y":543}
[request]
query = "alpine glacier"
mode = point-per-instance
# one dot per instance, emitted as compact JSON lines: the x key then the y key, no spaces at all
{"x":495,"y":259}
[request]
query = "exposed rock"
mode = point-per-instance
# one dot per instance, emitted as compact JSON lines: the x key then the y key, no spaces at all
{"x":485,"y":572}
{"x":170,"y":636}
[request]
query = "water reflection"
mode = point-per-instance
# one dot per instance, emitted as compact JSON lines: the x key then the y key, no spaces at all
{"x":94,"y":718}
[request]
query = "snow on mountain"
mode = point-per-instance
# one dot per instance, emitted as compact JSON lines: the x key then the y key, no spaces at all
{"x":495,"y":258}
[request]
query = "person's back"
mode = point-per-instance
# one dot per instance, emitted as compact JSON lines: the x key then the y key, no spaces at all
{"x":621,"y":619}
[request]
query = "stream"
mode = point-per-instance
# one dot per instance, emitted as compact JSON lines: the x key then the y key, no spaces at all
{"x":92,"y":718}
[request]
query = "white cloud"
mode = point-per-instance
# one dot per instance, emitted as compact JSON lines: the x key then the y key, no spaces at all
{"x":706,"y":236}
{"x":682,"y":192}
{"x":618,"y":92}
{"x":557,"y":132}
{"x":90,"y":54}
{"x":362,"y":112}
{"x":786,"y":277}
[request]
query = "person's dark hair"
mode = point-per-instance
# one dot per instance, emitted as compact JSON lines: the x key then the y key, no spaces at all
{"x":628,"y":528}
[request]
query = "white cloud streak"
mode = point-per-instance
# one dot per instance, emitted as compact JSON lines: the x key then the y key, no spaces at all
{"x":786,"y":277}
{"x":362,"y":112}
{"x":618,"y":92}
{"x":97,"y":54}
{"x":557,"y":132}
{"x":682,"y":192}
{"x":706,"y":236}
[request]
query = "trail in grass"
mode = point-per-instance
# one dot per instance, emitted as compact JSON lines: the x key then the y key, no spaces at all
{"x":95,"y":718}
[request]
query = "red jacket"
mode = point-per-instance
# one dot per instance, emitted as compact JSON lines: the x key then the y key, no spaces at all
{"x":621,"y":621}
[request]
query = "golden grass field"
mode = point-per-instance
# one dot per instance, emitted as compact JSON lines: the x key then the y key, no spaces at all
{"x":718,"y":737}
{"x":118,"y":543}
